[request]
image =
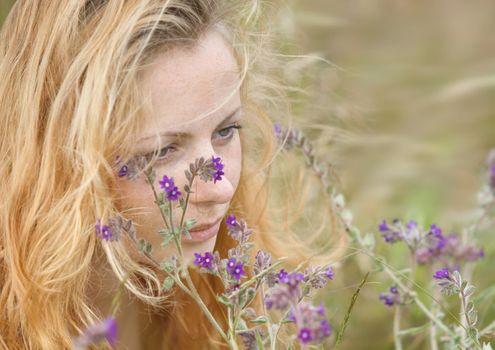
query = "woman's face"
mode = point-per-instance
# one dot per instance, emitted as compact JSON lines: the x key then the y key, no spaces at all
{"x":185,"y":84}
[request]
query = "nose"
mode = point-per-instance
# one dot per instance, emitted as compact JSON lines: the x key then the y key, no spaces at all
{"x":208,"y":193}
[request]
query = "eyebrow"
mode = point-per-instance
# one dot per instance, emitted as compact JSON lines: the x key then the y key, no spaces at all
{"x":182,"y":134}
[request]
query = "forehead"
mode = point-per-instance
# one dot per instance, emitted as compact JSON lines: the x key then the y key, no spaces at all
{"x":186,"y":84}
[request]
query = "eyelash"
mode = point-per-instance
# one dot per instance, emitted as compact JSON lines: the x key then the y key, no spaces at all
{"x":229,"y":128}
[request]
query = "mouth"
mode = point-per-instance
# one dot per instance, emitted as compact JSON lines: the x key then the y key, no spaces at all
{"x":204,"y":232}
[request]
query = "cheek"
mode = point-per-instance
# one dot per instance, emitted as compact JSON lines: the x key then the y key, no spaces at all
{"x":233,"y":164}
{"x":136,"y":198}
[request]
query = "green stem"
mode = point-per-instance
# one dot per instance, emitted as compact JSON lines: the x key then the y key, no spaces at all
{"x":155,"y":195}
{"x":174,"y":234}
{"x":186,"y":203}
{"x":195,"y":295}
{"x":116,"y":299}
{"x":433,"y":327}
{"x":397,"y":340}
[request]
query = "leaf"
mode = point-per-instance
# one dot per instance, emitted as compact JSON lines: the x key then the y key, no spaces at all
{"x":354,"y":233}
{"x":349,"y":310}
{"x":189,"y":223}
{"x":167,"y":266}
{"x":163,"y":232}
{"x":149,"y":247}
{"x":369,"y":241}
{"x":241,"y":326}
{"x":472,"y":333}
{"x":161,"y":198}
{"x":185,"y":232}
{"x":224,"y":300}
{"x":182,"y":202}
{"x":469,"y":290}
{"x":166,"y":240}
{"x":141,"y":244}
{"x":168,"y":283}
{"x":260,"y":320}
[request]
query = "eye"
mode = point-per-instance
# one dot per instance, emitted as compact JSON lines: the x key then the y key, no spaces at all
{"x":162,"y":153}
{"x":228,"y":132}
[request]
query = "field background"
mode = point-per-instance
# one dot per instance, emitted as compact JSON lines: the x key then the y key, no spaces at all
{"x":407,"y":105}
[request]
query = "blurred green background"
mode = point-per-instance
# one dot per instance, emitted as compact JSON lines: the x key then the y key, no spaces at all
{"x":405,"y":111}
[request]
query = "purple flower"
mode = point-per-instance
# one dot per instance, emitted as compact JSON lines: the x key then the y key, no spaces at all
{"x":206,"y":261}
{"x":435,"y":231}
{"x":329,"y":273}
{"x":231,"y":264}
{"x":217,"y":176}
{"x":325,"y":327}
{"x":305,"y":335}
{"x":318,"y":277}
{"x":106,"y":329}
{"x":389,"y":299}
{"x":391,"y":233}
{"x":383,"y":227}
{"x":321,"y":310}
{"x":123,"y":170}
{"x":237,"y":271}
{"x":167,"y":183}
{"x":277,"y":128}
{"x":238,"y":231}
{"x":103,"y":231}
{"x":231,"y":221}
{"x":173,"y":194}
{"x":283,"y":276}
{"x":198,"y":260}
{"x":313,"y":327}
{"x":442,"y":274}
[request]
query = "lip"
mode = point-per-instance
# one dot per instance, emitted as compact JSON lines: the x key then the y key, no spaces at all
{"x":205,"y":232}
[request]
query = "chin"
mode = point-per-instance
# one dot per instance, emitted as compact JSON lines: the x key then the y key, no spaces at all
{"x":189,"y":248}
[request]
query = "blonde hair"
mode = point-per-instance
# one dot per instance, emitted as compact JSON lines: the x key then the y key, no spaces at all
{"x":70,"y":102}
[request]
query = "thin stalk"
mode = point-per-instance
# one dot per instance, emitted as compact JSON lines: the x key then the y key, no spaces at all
{"x":397,"y":316}
{"x":354,"y":297}
{"x":433,"y":327}
{"x":186,"y":203}
{"x":155,"y":195}
{"x":176,"y":236}
{"x":195,"y":295}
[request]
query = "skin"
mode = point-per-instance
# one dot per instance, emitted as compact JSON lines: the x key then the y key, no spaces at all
{"x":195,"y":99}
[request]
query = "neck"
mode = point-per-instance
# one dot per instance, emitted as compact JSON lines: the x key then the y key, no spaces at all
{"x":138,"y":327}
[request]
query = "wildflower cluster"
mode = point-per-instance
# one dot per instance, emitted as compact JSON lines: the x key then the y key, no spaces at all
{"x":430,"y":245}
{"x":287,"y":295}
{"x":285,"y":290}
{"x":171,"y":191}
{"x":391,"y":298}
{"x":114,"y":229}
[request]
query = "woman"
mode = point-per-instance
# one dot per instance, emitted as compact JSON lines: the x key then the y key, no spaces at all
{"x":86,"y":83}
